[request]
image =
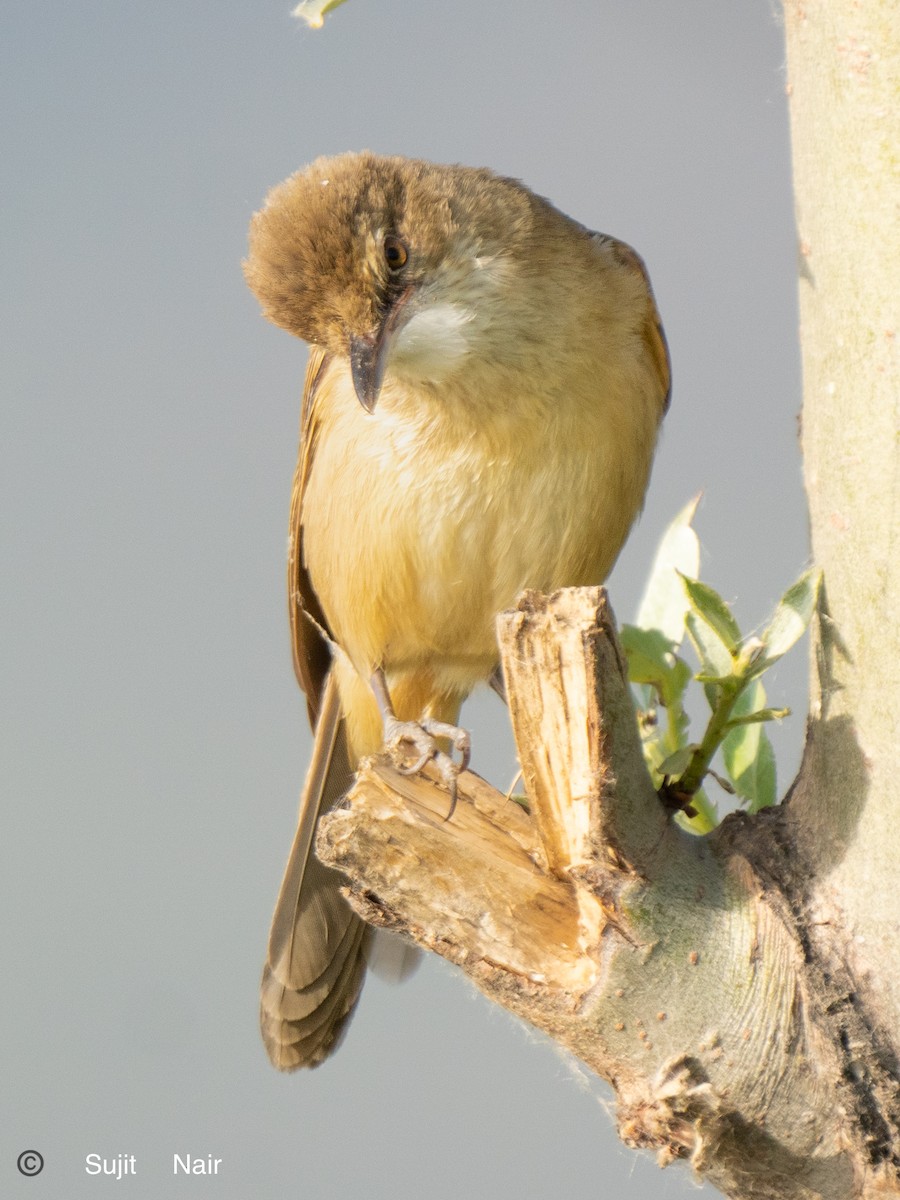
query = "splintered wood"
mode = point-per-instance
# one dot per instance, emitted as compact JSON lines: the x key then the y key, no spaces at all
{"x":471,"y":888}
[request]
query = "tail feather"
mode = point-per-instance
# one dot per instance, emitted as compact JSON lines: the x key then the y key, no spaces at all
{"x":310,"y":1040}
{"x":315,"y":964}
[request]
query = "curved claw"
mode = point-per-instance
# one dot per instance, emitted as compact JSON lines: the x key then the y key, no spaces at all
{"x":423,"y":736}
{"x":451,"y":782}
{"x":458,"y":738}
{"x":414,"y":768}
{"x":397,"y":732}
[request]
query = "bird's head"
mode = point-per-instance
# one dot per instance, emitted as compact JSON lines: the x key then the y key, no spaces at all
{"x":388,"y":262}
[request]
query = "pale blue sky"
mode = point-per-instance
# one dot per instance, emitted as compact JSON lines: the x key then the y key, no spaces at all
{"x":155,"y":737}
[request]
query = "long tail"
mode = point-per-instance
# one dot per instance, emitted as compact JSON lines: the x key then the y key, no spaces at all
{"x":315,"y":963}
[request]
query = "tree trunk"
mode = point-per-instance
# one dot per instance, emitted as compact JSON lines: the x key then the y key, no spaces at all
{"x":741,"y":991}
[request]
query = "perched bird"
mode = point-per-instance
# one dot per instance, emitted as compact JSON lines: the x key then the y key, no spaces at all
{"x":484,"y":390}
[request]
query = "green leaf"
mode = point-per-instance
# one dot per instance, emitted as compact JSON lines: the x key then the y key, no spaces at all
{"x":664,"y":605}
{"x":715,"y":661}
{"x":789,"y":623}
{"x":707,"y":817}
{"x":723,"y":680}
{"x":661,"y":678}
{"x":313,"y":12}
{"x":676,"y":682}
{"x":752,"y":698}
{"x":709,"y":605}
{"x":649,"y":654}
{"x":764,"y":781}
{"x":762,"y":714}
{"x":748,"y":754}
{"x":675,"y":764}
{"x":662,"y":721}
{"x":654,"y":755}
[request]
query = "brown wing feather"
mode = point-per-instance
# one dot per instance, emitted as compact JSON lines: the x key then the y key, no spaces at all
{"x":654,"y":336}
{"x":658,"y":349}
{"x":316,"y":956}
{"x":309,"y":645}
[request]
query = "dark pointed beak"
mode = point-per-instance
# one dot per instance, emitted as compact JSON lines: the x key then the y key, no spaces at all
{"x":367,"y":360}
{"x":369,"y":353}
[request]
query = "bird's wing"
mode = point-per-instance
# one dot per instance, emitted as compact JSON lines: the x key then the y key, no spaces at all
{"x":309,"y":629}
{"x":315,"y":962}
{"x":653,"y":334}
{"x":658,"y":350}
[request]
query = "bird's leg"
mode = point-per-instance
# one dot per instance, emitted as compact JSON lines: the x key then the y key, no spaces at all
{"x":423,"y":735}
{"x":498,"y":684}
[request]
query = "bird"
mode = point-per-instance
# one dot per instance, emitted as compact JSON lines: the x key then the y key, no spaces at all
{"x":484,"y":390}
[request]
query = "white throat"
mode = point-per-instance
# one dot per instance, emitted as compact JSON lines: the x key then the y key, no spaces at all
{"x":453,"y":316}
{"x":434,"y":341}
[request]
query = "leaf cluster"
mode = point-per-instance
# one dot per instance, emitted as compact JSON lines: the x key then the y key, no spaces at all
{"x":678,"y":607}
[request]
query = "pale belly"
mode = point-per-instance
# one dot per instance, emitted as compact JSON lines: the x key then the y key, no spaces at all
{"x":415,"y":543}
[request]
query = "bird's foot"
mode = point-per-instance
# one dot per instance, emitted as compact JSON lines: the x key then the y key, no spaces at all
{"x":423,"y":737}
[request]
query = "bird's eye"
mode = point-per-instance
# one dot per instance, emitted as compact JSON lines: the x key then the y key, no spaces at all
{"x":395,"y":253}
